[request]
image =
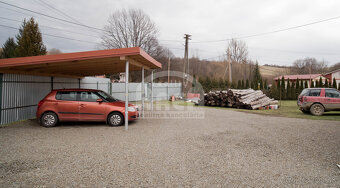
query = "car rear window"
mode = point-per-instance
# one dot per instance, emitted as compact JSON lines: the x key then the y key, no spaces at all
{"x":304,"y":92}
{"x":332,"y":93}
{"x":314,"y":92}
{"x":66,"y":95}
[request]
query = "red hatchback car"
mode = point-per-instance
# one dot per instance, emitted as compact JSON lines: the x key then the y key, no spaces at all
{"x":83,"y":105}
{"x":318,"y":100}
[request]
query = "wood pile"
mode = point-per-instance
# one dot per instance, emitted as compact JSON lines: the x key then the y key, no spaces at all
{"x":242,"y":98}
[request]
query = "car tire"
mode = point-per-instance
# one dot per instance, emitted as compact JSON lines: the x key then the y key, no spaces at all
{"x":49,"y":119}
{"x":317,"y":109}
{"x":115,"y":119}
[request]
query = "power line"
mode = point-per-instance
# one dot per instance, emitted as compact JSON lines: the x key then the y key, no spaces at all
{"x":35,"y":12}
{"x":271,"y":32}
{"x":56,"y":36}
{"x":60,"y":12}
{"x":51,"y":7}
{"x":41,"y":17}
{"x":71,"y":22}
{"x":52,"y":28}
{"x":295,"y":52}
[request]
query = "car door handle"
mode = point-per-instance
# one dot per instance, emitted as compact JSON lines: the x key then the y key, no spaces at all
{"x":82,"y":105}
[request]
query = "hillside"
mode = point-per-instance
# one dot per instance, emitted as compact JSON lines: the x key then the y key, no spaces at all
{"x":270,"y":72}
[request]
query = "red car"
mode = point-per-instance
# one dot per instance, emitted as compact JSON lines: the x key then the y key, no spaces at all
{"x":319,"y":100}
{"x":83,"y":105}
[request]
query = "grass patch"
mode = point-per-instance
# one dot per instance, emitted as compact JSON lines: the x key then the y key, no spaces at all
{"x":287,"y":109}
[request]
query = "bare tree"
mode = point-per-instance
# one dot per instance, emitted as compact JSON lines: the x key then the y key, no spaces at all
{"x":53,"y":51}
{"x":131,"y":28}
{"x":307,"y":65}
{"x":237,"y":51}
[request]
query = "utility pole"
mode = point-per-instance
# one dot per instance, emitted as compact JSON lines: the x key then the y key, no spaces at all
{"x":310,"y":75}
{"x":230,"y":65}
{"x":168,"y":66}
{"x":186,"y":59}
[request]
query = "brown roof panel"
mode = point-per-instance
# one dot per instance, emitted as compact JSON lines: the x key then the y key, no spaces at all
{"x":80,"y":64}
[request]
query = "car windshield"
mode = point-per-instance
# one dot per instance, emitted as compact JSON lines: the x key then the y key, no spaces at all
{"x":106,"y":96}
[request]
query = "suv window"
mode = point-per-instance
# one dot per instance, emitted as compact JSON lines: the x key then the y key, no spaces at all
{"x":314,"y":92}
{"x":88,"y":96}
{"x":66,"y":95}
{"x":304,"y":92}
{"x":332,"y":93}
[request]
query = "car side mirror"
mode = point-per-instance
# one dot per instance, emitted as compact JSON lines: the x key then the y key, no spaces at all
{"x":99,"y":100}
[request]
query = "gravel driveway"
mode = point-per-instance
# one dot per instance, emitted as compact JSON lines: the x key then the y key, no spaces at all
{"x":226,"y":149}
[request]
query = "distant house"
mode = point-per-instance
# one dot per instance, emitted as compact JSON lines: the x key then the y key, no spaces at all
{"x":303,"y":77}
{"x":334,"y":74}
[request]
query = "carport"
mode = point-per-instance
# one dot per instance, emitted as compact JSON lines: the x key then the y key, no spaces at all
{"x":89,"y":63}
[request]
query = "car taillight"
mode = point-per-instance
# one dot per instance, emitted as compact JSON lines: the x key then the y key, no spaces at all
{"x":40,"y":103}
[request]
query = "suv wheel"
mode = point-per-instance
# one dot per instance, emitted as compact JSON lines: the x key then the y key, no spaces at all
{"x":49,"y":119}
{"x":317,"y":109}
{"x":115,"y":119}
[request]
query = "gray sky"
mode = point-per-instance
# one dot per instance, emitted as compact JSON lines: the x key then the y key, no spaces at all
{"x":204,"y":20}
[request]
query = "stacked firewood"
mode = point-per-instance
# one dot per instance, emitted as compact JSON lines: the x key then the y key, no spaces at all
{"x":244,"y":98}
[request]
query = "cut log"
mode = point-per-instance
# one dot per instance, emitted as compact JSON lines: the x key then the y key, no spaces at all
{"x":238,"y":98}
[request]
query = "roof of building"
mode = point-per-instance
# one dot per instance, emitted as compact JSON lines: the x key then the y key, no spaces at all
{"x":299,"y":76}
{"x":338,"y":70}
{"x":80,"y":64}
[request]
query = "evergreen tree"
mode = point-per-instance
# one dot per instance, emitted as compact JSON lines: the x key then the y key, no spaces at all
{"x":339,"y":86}
{"x":226,"y":84}
{"x":261,"y":84}
{"x":233,"y":85}
{"x":8,"y":48}
{"x":326,"y":83}
{"x":247,"y":84}
{"x":293,"y":91}
{"x":207,"y":84}
{"x":317,"y":84}
{"x":312,"y":84}
{"x":334,"y":83}
{"x":306,"y":84}
{"x":221,"y":84}
{"x":278,"y":88}
{"x":214,"y":84}
{"x":30,"y":40}
{"x":257,"y":75}
{"x":239,"y":84}
{"x":320,"y":82}
{"x":288,"y":94}
{"x":242,"y":84}
{"x":265,"y":84}
{"x":297,"y":85}
{"x":283,"y":88}
{"x":301,"y":86}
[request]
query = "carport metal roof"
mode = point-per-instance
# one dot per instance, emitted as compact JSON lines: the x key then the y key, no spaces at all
{"x":80,"y":64}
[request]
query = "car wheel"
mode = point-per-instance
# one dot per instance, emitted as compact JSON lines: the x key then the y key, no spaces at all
{"x":115,"y":119}
{"x":49,"y":119}
{"x":317,"y":109}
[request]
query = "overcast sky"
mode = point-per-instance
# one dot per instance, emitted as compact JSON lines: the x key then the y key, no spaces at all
{"x":204,"y":20}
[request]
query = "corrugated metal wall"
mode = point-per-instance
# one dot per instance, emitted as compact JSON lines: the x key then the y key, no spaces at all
{"x":20,"y":94}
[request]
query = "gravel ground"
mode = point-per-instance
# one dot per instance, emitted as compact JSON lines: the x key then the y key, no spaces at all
{"x":225,"y":149}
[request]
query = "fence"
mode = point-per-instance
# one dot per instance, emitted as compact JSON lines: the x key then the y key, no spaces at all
{"x":20,"y":94}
